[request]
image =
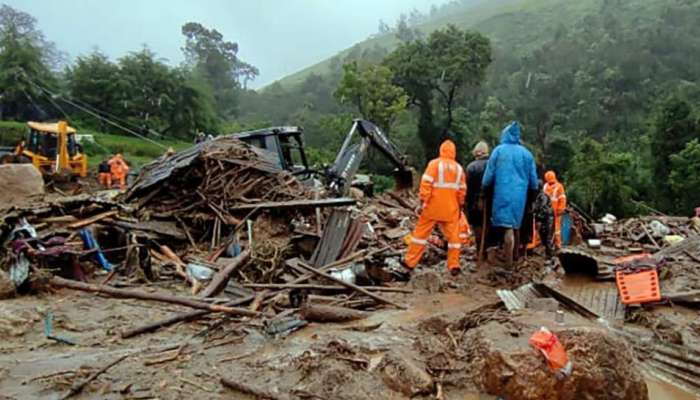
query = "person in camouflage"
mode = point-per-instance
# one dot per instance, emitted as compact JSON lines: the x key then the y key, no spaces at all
{"x":544,"y":220}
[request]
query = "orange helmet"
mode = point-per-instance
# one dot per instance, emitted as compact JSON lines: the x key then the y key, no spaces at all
{"x":550,"y":177}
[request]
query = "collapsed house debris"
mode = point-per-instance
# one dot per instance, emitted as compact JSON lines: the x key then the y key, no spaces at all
{"x":247,"y":253}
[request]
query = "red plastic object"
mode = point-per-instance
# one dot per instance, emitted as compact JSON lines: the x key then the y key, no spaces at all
{"x":553,"y":350}
{"x":638,"y":287}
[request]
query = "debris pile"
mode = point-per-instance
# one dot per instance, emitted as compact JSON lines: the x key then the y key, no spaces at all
{"x":224,"y":218}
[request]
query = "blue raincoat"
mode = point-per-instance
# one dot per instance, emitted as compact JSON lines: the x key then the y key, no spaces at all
{"x":511,"y":170}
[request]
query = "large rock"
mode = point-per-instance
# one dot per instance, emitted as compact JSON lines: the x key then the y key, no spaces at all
{"x":18,"y":182}
{"x":603,"y":366}
{"x":405,"y":375}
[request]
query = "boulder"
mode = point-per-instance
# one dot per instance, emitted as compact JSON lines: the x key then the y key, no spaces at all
{"x":18,"y":182}
{"x":603,"y":366}
{"x":403,"y":374}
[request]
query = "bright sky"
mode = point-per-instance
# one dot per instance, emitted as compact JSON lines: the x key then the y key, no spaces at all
{"x":278,"y":36}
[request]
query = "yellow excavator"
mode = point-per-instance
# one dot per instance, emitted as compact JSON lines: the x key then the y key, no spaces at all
{"x":52,"y":148}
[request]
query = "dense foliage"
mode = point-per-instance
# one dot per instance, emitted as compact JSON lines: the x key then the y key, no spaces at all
{"x":616,"y":79}
{"x":138,"y":93}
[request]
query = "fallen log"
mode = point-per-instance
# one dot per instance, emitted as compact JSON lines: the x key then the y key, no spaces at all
{"x":343,"y":201}
{"x":93,"y":219}
{"x":351,"y":286}
{"x":221,"y":278}
{"x":192,"y":315}
{"x":253,"y":391}
{"x":135,"y":294}
{"x":322,"y":287}
{"x":323,"y":313}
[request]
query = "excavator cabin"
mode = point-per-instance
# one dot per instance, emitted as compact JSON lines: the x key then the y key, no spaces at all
{"x":286,"y":143}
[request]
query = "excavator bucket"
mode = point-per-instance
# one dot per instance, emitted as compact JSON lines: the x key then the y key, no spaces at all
{"x":403,"y":178}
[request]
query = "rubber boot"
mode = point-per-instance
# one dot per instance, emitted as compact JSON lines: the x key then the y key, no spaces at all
{"x":508,"y":247}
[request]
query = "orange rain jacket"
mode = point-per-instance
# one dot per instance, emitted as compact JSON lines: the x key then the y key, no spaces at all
{"x":555,"y":191}
{"x":443,"y":187}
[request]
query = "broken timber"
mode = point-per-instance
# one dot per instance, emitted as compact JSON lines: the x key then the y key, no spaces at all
{"x":352,"y":286}
{"x":135,"y":294}
{"x":343,"y":201}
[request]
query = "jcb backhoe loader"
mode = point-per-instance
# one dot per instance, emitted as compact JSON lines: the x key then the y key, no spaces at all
{"x":52,"y":148}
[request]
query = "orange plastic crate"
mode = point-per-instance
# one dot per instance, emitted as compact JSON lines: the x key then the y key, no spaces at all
{"x":638,"y":287}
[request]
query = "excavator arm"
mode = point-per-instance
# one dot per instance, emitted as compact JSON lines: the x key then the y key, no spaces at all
{"x":347,"y":162}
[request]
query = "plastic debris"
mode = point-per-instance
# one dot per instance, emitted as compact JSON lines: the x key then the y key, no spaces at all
{"x":199,"y":272}
{"x":658,"y":229}
{"x":91,"y":244}
{"x":48,"y":331}
{"x":594,"y":243}
{"x":19,"y":271}
{"x":673,"y":239}
{"x":608,"y":219}
{"x":551,"y":348}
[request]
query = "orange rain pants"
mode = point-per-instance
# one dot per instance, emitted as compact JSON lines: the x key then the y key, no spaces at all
{"x":105,"y":179}
{"x":442,"y":190}
{"x":555,"y":191}
{"x":464,"y":230}
{"x":419,"y":239}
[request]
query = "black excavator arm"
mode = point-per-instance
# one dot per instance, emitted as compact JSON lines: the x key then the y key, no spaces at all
{"x":339,"y":176}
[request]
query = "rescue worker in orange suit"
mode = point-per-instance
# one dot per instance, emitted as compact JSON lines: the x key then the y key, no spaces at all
{"x":119,"y":169}
{"x":555,"y":191}
{"x":442,"y":190}
{"x":104,"y":174}
{"x":465,"y":232}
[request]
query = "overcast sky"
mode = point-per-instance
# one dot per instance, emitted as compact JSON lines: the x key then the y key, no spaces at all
{"x":278,"y":36}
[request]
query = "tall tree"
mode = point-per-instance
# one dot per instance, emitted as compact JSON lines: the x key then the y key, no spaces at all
{"x":601,"y":181}
{"x":370,"y":89}
{"x":216,"y":61}
{"x":674,"y":126}
{"x":25,"y":56}
{"x":685,"y":177}
{"x":97,"y":81}
{"x":435,"y":72}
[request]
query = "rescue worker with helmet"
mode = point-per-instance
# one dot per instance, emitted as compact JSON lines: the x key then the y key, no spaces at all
{"x":442,"y":191}
{"x":557,"y":195}
{"x":511,"y":173}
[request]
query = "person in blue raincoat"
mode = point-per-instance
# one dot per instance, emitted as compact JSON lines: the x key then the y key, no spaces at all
{"x":510,"y":174}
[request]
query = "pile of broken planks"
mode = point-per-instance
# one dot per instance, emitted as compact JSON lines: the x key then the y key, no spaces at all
{"x":227,"y":230}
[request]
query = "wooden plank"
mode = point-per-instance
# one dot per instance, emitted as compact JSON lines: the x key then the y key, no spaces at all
{"x":135,"y":294}
{"x":93,"y":219}
{"x":340,"y":202}
{"x":352,"y":286}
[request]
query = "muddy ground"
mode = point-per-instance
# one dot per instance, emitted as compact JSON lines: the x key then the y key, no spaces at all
{"x":434,"y":348}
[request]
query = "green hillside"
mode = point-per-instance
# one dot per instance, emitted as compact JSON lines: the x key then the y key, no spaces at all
{"x":510,"y":24}
{"x":608,"y":87}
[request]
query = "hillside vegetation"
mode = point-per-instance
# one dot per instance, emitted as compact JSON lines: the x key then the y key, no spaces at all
{"x":608,"y":78}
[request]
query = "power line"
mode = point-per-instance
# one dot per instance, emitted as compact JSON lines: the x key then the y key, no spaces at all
{"x":51,"y":94}
{"x":97,"y":110}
